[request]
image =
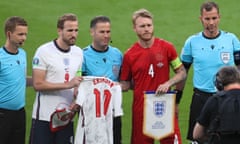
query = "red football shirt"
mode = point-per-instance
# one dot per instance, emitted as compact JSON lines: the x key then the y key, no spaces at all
{"x":147,"y":67}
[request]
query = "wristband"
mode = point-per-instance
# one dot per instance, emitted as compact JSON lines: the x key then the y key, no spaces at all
{"x":178,"y":96}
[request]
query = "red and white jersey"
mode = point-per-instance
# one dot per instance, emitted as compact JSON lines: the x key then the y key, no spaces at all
{"x":100,"y":99}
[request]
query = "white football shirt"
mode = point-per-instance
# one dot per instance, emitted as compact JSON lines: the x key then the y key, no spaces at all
{"x":97,"y":96}
{"x":60,"y":67}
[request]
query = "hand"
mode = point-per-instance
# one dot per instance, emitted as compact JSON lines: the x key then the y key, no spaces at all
{"x":74,"y":82}
{"x":163,"y":88}
{"x":74,"y":107}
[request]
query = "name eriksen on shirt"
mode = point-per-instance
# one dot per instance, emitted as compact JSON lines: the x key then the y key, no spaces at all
{"x":103,"y":80}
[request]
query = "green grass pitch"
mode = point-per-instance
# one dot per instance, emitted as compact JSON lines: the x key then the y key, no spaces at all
{"x":174,"y":20}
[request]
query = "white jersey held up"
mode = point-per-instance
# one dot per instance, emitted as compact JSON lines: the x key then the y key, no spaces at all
{"x":100,"y":99}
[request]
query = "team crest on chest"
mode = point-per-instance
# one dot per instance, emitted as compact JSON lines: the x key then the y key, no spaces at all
{"x":66,"y":61}
{"x":159,"y":108}
{"x":225,"y":57}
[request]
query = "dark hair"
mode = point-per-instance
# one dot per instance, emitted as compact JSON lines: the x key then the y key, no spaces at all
{"x":66,"y":17}
{"x":227,"y":75}
{"x":12,"y":22}
{"x":141,"y":13}
{"x":98,"y":19}
{"x":208,"y":6}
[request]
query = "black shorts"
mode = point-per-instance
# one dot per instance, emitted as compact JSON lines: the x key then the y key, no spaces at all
{"x":41,"y":134}
{"x":199,"y":98}
{"x":117,"y":130}
{"x":12,"y":126}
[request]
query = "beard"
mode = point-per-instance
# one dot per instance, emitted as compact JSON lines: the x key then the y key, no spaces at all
{"x":70,"y":42}
{"x":146,"y":36}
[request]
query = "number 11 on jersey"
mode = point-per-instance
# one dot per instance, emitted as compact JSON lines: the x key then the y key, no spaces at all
{"x":107,"y":98}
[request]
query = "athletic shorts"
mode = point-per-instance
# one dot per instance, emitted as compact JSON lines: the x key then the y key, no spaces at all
{"x":41,"y":134}
{"x":12,"y":126}
{"x":199,"y":98}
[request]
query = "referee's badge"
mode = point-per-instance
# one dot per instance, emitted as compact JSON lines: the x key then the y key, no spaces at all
{"x":115,"y":70}
{"x":159,"y":108}
{"x":225,"y":56}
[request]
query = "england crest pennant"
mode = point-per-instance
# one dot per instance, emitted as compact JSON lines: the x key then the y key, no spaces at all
{"x":158,"y":121}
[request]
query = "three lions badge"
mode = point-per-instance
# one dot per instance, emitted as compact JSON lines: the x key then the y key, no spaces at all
{"x":158,"y":120}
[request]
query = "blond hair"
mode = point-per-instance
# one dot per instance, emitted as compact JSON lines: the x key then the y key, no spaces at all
{"x":141,"y":13}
